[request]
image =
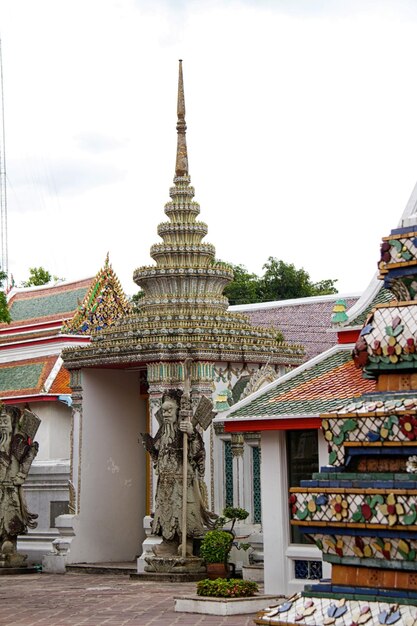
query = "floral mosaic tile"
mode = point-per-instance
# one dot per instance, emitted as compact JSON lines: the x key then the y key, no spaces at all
{"x":394,"y":508}
{"x":316,"y":611}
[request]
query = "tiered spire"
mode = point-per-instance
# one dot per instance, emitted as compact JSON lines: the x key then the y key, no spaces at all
{"x":183,"y":309}
{"x":181,"y":166}
{"x":186,"y":272}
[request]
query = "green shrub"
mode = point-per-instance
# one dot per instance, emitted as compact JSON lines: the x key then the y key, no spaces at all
{"x":223,"y":588}
{"x":216,"y":546}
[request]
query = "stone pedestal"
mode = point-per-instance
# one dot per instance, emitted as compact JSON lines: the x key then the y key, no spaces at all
{"x":148,"y":544}
{"x":55,"y":562}
{"x":253,"y":572}
{"x":174,"y":565}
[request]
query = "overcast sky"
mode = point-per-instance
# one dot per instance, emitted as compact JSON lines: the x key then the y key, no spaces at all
{"x":302,"y":129}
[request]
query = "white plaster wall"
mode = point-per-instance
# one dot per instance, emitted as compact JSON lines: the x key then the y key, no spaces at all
{"x":274,"y":497}
{"x":113,"y":479}
{"x":53,"y":434}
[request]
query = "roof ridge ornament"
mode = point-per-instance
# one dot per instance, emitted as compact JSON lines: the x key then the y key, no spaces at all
{"x":181,"y":165}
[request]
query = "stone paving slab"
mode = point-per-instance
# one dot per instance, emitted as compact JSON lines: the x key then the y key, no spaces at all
{"x":79,"y":599}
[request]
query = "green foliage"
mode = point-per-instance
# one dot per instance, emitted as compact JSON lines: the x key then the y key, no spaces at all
{"x":280,"y":281}
{"x":38,"y":276}
{"x":231,"y":514}
{"x":135,"y":299}
{"x":218,"y":543}
{"x":223,"y":588}
{"x":4,"y":309}
{"x":235,"y":513}
{"x":244,"y":287}
{"x":216,"y":546}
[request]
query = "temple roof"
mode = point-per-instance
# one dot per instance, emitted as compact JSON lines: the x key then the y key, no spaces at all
{"x":320,"y":385}
{"x":40,"y":376}
{"x":35,"y":305}
{"x":47,"y":319}
{"x":304,"y":320}
{"x":101,"y":306}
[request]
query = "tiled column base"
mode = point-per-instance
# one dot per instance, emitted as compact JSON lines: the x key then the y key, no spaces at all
{"x":373,"y":577}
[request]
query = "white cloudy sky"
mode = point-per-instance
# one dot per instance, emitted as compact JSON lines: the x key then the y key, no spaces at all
{"x":302,"y":129}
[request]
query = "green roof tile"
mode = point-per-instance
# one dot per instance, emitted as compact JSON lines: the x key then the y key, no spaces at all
{"x":32,"y":308}
{"x":20,"y":377}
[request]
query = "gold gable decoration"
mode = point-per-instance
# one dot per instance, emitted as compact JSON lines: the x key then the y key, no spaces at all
{"x":104,"y":303}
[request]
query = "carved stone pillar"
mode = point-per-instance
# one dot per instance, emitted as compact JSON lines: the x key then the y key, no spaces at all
{"x":76,"y":443}
{"x":238,"y":473}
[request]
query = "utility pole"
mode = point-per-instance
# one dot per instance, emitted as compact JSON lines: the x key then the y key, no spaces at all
{"x":4,"y":259}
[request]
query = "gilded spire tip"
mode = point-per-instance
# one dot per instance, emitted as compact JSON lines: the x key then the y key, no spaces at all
{"x":181,"y":166}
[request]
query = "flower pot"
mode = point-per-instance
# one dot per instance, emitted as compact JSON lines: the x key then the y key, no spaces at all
{"x":217,"y":570}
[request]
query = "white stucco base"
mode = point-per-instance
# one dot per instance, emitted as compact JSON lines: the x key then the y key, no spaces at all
{"x":46,"y":485}
{"x":253,"y":572}
{"x":109,"y":469}
{"x":223,"y":606}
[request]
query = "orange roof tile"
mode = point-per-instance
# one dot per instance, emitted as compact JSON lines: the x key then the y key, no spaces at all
{"x":344,"y":381}
{"x":61,"y":382}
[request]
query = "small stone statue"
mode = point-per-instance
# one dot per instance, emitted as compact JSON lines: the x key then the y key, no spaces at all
{"x":17,"y":451}
{"x":166,"y":450}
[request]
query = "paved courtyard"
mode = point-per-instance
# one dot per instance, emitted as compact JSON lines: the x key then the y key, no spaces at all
{"x":79,"y":599}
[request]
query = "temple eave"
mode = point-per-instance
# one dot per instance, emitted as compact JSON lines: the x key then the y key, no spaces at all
{"x":129,"y":358}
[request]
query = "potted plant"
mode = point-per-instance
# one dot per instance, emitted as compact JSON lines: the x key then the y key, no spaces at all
{"x":216,"y":544}
{"x":215,"y":549}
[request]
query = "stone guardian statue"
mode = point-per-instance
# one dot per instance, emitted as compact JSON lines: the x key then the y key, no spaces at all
{"x":17,"y":451}
{"x":166,"y":450}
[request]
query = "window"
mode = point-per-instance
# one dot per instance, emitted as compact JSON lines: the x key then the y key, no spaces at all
{"x":228,"y":473}
{"x":302,"y":462}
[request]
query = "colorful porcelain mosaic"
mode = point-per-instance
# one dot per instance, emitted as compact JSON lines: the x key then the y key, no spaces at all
{"x":375,"y":422}
{"x":355,"y":506}
{"x":371,"y":547}
{"x":398,"y":249}
{"x":363,"y":516}
{"x":327,"y":611}
{"x":388,"y":338}
{"x":104,"y":303}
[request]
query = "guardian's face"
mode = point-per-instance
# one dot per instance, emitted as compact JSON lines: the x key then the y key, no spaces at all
{"x":169,"y":411}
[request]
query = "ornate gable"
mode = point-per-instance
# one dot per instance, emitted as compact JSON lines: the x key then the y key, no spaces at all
{"x":102,"y":305}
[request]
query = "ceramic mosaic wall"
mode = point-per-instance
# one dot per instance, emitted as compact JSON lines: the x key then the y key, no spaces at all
{"x":325,"y":611}
{"x":361,"y":509}
{"x":380,"y":422}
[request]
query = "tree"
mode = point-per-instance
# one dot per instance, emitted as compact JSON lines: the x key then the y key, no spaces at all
{"x":4,"y":309}
{"x":244,"y":287}
{"x":38,"y":276}
{"x":280,"y":281}
{"x":135,"y":299}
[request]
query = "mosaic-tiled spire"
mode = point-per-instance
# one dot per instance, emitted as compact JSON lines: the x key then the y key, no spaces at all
{"x":181,"y":166}
{"x":388,"y":341}
{"x":186,"y":271}
{"x":361,"y":508}
{"x":183,"y":310}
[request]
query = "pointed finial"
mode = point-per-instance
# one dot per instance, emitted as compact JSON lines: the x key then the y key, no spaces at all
{"x":181,"y":166}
